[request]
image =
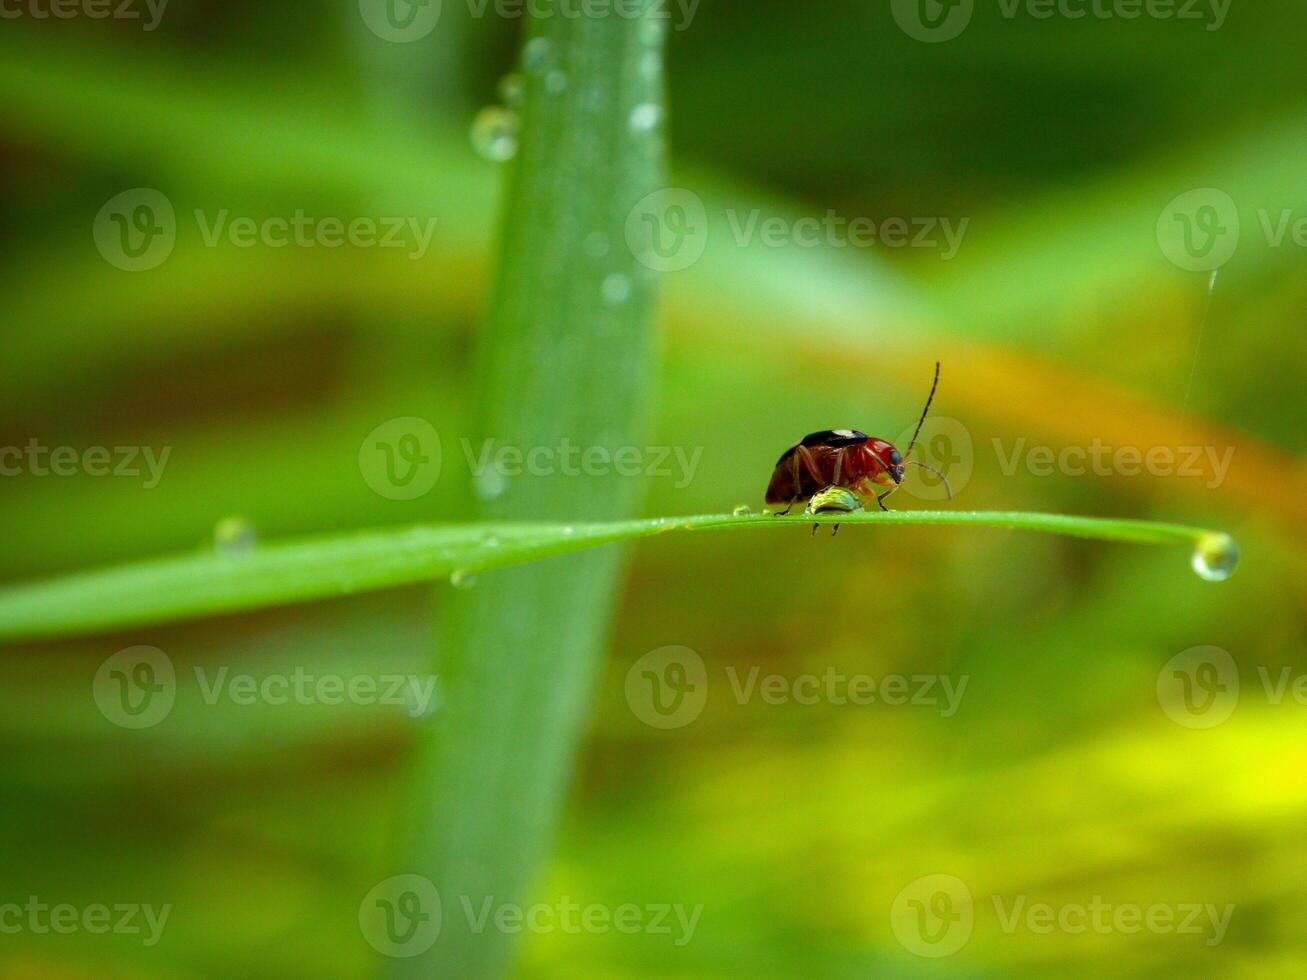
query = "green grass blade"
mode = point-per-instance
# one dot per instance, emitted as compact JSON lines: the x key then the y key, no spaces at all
{"x":566,"y":354}
{"x":203,"y":584}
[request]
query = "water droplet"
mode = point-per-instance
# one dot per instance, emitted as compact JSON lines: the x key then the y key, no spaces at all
{"x":463,"y":579}
{"x":234,"y":536}
{"x":489,"y":484}
{"x":651,"y":64}
{"x":1216,"y":556}
{"x":596,"y":245}
{"x":537,"y":54}
{"x":616,"y":288}
{"x":742,"y":510}
{"x":494,"y":133}
{"x":490,"y":541}
{"x":556,"y":81}
{"x":645,"y":117}
{"x":510,"y":90}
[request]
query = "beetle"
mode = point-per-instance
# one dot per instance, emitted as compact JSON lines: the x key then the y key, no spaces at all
{"x":845,"y":458}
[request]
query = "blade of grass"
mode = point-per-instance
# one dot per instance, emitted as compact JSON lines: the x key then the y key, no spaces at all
{"x":184,"y":587}
{"x":566,"y":354}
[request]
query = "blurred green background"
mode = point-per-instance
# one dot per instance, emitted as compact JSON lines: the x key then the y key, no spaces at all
{"x":1066,"y":318}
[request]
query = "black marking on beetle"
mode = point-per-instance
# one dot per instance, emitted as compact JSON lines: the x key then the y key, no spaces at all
{"x":831,"y":438}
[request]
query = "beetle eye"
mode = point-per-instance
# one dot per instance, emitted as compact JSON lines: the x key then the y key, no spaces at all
{"x":894,"y":457}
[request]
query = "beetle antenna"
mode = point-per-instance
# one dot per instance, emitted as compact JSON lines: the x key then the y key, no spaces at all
{"x":942,"y":478}
{"x":924,"y":412}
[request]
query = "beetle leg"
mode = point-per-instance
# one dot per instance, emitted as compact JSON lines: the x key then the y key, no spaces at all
{"x":839,"y":465}
{"x":794,"y":465}
{"x":836,"y":531}
{"x":814,"y":530}
{"x":810,"y":465}
{"x":880,"y":499}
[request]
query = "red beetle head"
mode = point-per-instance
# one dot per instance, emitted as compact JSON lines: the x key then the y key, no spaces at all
{"x":886,"y":463}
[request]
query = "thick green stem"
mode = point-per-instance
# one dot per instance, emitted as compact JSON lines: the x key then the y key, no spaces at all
{"x":566,"y":356}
